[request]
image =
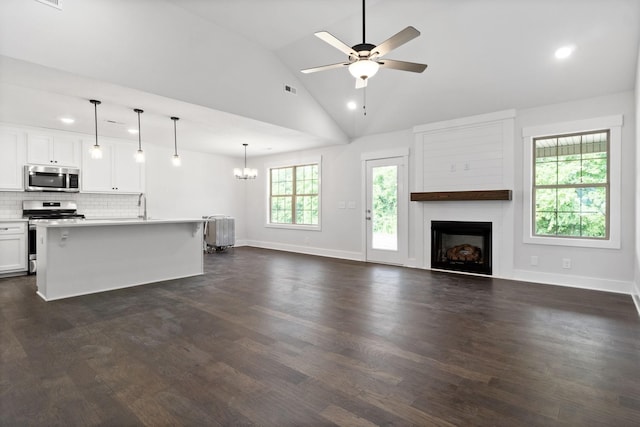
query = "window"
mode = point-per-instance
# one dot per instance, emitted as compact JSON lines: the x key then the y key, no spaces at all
{"x":294,"y":195}
{"x":571,"y":185}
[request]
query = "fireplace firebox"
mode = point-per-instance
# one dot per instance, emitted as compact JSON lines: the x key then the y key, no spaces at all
{"x":461,"y":246}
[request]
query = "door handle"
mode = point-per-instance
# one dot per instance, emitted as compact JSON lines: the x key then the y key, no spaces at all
{"x":368,"y":218}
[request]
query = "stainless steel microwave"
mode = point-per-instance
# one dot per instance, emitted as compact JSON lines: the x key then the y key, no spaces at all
{"x":51,"y":178}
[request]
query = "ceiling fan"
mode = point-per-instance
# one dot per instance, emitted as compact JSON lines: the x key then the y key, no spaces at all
{"x":365,"y":59}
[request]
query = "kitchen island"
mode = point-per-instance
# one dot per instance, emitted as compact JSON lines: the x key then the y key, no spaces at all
{"x":80,"y":257}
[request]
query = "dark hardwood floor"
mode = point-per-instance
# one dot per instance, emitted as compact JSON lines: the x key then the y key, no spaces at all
{"x":277,"y":339}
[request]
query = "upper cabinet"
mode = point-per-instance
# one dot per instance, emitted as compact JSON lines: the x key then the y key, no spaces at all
{"x":12,"y":159}
{"x":47,"y":149}
{"x":116,"y":172}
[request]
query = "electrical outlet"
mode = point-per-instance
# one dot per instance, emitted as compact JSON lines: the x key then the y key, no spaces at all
{"x":566,"y":262}
{"x":534,"y":260}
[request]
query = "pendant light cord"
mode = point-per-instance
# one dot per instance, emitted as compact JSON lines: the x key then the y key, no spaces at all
{"x":137,"y":110}
{"x":245,"y":155}
{"x":95,"y":109}
{"x":175,"y":136}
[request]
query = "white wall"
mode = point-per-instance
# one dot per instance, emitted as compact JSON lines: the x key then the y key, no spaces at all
{"x":606,"y":269}
{"x":160,"y":48}
{"x":341,"y":234}
{"x":204,"y":185}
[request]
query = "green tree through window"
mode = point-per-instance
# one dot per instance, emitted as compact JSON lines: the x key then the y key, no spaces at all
{"x":571,"y":185}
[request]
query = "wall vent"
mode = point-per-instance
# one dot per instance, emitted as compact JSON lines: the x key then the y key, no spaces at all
{"x":53,"y":3}
{"x":292,"y":90}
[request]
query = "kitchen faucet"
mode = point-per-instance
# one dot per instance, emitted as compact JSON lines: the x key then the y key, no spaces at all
{"x":140,"y":197}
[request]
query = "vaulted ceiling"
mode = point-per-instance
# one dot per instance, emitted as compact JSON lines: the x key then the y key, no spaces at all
{"x":223,"y":64}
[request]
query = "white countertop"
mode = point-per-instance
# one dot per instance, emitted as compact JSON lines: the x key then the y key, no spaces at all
{"x":112,"y":221}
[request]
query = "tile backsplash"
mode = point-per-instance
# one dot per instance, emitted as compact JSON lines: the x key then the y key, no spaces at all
{"x":91,"y":205}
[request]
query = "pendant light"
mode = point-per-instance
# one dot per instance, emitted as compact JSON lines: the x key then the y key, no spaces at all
{"x":175,"y":159}
{"x":246,"y":173}
{"x":96,"y":151}
{"x":139,"y":154}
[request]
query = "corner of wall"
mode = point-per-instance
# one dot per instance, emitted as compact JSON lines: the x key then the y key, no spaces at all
{"x":635,"y":291}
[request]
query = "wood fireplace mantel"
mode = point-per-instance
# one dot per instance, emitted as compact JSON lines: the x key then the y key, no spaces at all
{"x":443,"y":196}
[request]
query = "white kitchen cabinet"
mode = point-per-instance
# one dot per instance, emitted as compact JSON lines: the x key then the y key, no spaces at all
{"x":12,"y":159}
{"x":13,"y":247}
{"x":49,"y":149}
{"x":116,"y":172}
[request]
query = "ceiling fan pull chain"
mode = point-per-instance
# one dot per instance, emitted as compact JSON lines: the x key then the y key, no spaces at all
{"x":364,"y":100}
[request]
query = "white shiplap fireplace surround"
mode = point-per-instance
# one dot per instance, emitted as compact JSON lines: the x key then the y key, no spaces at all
{"x":468,"y":154}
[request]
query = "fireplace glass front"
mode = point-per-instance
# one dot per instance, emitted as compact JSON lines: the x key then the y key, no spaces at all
{"x":461,"y":246}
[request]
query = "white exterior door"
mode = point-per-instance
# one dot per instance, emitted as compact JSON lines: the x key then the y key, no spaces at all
{"x":386,"y":210}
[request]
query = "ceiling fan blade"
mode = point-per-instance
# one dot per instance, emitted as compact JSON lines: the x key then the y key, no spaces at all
{"x":333,"y":41}
{"x":360,"y":83}
{"x":395,"y":41}
{"x":402,"y":65}
{"x":323,"y":68}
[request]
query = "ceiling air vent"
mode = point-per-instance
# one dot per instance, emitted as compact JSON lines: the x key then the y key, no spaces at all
{"x":53,"y":3}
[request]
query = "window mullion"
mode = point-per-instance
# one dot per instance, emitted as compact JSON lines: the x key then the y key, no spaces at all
{"x":293,"y":195}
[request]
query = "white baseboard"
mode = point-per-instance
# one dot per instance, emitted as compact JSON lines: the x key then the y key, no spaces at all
{"x":582,"y":282}
{"x":330,"y":253}
{"x":635,"y":294}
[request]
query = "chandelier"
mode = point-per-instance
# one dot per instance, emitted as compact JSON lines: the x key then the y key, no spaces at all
{"x":245,"y":173}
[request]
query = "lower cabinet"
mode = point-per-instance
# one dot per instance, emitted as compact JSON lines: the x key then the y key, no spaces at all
{"x":13,"y":247}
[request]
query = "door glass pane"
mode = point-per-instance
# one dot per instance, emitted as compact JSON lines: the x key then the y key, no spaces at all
{"x":384,"y":215}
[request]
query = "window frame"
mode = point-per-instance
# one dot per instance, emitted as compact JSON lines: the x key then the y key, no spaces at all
{"x":294,"y":164}
{"x":606,"y":184}
{"x":612,"y":124}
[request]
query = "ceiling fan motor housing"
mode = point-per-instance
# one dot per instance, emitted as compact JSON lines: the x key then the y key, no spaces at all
{"x":363,"y":49}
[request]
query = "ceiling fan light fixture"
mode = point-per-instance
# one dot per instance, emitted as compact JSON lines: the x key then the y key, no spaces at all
{"x":364,"y":69}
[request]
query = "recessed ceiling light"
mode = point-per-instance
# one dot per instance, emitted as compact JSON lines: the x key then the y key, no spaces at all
{"x":351,"y":105}
{"x":565,"y":51}
{"x":67,"y":120}
{"x":133,"y":131}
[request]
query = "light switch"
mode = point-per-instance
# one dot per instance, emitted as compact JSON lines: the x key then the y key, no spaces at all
{"x":341,"y":205}
{"x":351,"y":204}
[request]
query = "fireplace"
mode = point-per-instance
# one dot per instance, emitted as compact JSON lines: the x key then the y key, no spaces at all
{"x":461,"y":246}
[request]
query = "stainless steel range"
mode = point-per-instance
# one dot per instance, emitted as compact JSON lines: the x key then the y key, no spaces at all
{"x":37,"y":211}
